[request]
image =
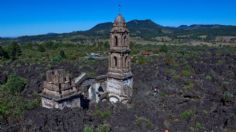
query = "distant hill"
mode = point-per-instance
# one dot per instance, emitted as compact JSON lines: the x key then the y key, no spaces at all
{"x":210,"y":31}
{"x":138,"y":28}
{"x":146,"y":29}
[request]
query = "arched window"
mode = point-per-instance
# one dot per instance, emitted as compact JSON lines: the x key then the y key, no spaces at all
{"x":115,"y":61}
{"x":126,"y":61}
{"x":116,"y":41}
{"x":125,"y":40}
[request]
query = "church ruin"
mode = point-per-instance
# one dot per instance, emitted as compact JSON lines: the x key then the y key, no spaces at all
{"x":60,"y":90}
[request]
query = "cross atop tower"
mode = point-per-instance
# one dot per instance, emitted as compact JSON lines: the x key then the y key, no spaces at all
{"x":119,"y":7}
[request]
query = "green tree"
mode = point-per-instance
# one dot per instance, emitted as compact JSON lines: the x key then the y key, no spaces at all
{"x":15,"y":50}
{"x":62,"y":54}
{"x":3,"y":53}
{"x":164,"y":49}
{"x":41,"y":48}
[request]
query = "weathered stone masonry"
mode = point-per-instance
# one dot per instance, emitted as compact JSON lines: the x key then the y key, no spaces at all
{"x":59,"y":90}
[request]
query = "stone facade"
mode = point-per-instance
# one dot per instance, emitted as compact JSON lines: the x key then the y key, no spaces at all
{"x":120,"y":78}
{"x":59,"y":90}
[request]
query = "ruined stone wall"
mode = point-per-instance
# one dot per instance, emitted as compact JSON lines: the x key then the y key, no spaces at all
{"x":52,"y":104}
{"x":58,"y":84}
{"x":59,"y":90}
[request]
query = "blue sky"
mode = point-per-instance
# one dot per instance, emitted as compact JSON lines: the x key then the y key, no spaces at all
{"x":31,"y":17}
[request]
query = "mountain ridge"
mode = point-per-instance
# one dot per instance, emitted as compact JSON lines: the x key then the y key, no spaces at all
{"x":146,"y":29}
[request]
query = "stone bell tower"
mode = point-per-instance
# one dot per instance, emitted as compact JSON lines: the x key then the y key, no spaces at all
{"x":120,"y":78}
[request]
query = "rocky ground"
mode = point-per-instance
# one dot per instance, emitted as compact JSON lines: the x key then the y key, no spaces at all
{"x":194,"y":93}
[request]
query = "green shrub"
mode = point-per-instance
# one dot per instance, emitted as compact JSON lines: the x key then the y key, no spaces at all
{"x":15,"y":84}
{"x":57,"y":59}
{"x":15,"y":105}
{"x":62,"y":54}
{"x":11,"y":103}
{"x":197,"y":128}
{"x":164,"y":49}
{"x":176,"y":77}
{"x":188,"y":86}
{"x":228,"y":96}
{"x":41,"y":48}
{"x":187,"y":114}
{"x":103,"y":114}
{"x":103,"y":128}
{"x":88,"y":129}
{"x":187,"y":71}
